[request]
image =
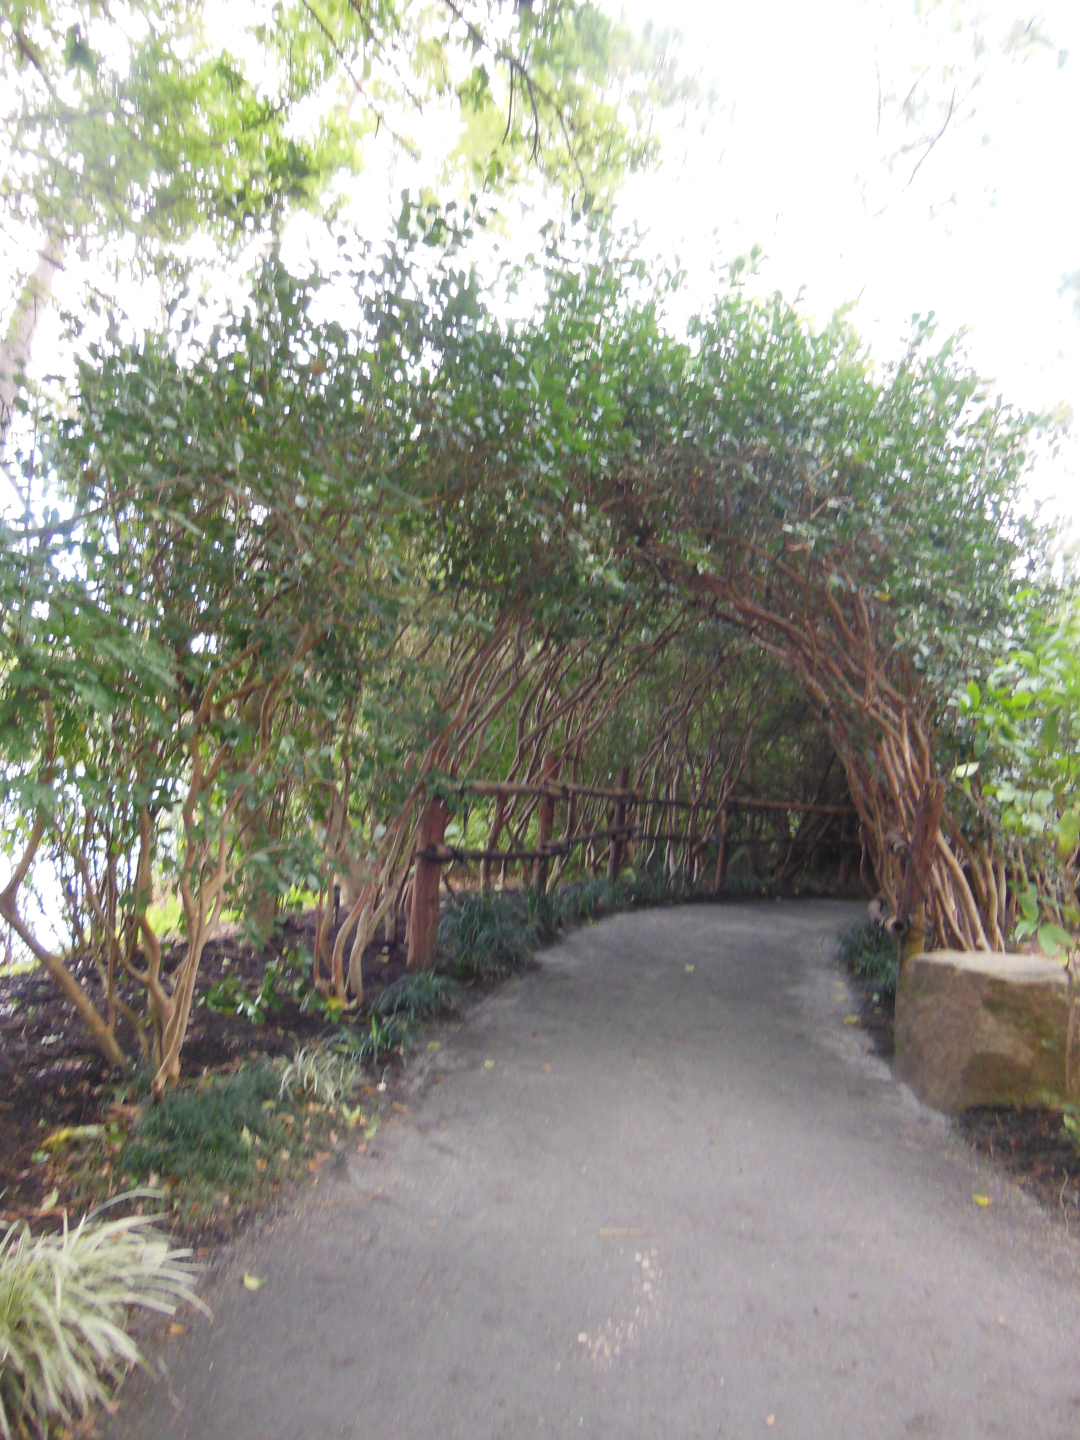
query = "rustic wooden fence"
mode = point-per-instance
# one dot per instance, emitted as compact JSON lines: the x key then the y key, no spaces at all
{"x":433,"y":855}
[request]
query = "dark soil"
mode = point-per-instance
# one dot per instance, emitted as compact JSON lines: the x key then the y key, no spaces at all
{"x":876,"y":1011}
{"x":52,"y":1075}
{"x":1036,"y":1150}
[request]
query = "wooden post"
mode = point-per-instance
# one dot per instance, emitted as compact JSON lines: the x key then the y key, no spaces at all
{"x":618,"y":842}
{"x":424,"y":911}
{"x":545,"y":822}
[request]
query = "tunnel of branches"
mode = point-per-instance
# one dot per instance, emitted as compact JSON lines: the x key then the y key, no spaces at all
{"x":431,"y":562}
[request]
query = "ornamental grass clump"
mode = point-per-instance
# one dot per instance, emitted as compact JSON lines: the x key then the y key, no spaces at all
{"x":324,"y":1072}
{"x":64,"y":1301}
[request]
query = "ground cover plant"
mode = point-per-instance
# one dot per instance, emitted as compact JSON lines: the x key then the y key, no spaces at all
{"x":65,"y":1299}
{"x":870,"y":952}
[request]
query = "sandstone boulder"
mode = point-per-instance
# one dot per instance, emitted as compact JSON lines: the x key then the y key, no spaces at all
{"x":981,"y":1029}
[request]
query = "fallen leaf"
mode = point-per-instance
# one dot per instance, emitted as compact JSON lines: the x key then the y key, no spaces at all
{"x":770,"y":1421}
{"x":254,"y":1282}
{"x":397,"y":1105}
{"x":434,"y":1045}
{"x":71,"y":1133}
{"x":333,"y":1137}
{"x":175,"y":1329}
{"x":372,"y":1128}
{"x":202,"y":1252}
{"x":285,"y":1156}
{"x":361,"y":1149}
{"x":489,"y":1064}
{"x":689,"y":969}
{"x":982,"y":1201}
{"x":851,"y":1019}
{"x":317,"y":1160}
{"x":260,"y":1164}
{"x":545,"y":1067}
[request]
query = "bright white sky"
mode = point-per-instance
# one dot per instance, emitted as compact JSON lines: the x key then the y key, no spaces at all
{"x":794,"y":159}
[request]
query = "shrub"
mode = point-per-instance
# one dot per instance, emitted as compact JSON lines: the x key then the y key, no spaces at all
{"x":544,"y":916}
{"x":588,"y":898}
{"x":867,"y":951}
{"x":486,"y":935}
{"x":64,"y":1299}
{"x":417,"y":997}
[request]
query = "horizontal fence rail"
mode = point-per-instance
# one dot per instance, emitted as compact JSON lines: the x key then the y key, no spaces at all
{"x":547,"y":852}
{"x":446,"y":854}
{"x":562,"y":790}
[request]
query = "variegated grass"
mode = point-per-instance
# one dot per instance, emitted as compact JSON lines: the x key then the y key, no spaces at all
{"x":64,"y":1301}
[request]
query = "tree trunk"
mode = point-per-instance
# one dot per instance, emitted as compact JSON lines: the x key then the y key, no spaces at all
{"x":15,"y":349}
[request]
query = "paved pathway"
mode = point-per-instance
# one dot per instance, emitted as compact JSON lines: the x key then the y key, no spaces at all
{"x":647,"y":1200}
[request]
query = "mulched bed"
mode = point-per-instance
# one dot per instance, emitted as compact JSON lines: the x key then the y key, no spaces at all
{"x":51,"y":1074}
{"x":876,"y":1010}
{"x":1036,"y":1150}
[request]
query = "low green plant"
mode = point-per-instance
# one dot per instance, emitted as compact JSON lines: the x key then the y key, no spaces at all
{"x":208,"y":1132}
{"x":418,"y":997}
{"x":330,"y":1068}
{"x":229,"y":996}
{"x":64,"y":1301}
{"x":867,"y":951}
{"x":743,"y":885}
{"x":544,"y":916}
{"x":325,"y":1071}
{"x":1070,"y":1125}
{"x":375,"y":1038}
{"x":486,"y":935}
{"x":591,"y":897}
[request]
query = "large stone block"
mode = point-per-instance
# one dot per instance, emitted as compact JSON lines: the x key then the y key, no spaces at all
{"x":981,"y":1029}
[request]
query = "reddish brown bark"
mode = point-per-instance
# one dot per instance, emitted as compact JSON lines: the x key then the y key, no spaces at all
{"x":424,"y":913}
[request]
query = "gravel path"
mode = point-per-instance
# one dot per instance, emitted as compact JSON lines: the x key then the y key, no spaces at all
{"x":656,"y":1189}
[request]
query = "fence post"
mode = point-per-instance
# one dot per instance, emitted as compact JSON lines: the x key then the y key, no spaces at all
{"x":618,"y":842}
{"x":424,"y":910}
{"x":549,"y":770}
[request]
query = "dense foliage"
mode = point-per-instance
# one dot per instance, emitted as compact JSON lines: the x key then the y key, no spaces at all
{"x":286,"y":577}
